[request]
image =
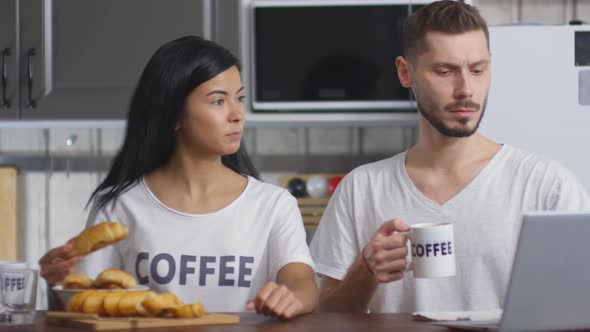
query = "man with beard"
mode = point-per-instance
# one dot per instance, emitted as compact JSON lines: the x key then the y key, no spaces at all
{"x":453,"y":174}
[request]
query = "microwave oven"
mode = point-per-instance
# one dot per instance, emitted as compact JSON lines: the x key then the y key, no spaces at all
{"x":328,"y":55}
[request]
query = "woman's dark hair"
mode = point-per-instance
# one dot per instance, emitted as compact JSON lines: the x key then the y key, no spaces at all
{"x":171,"y":74}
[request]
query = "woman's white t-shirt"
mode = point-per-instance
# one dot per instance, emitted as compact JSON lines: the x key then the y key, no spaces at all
{"x":221,"y":259}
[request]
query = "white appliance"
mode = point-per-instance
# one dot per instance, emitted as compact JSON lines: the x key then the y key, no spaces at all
{"x":540,"y":93}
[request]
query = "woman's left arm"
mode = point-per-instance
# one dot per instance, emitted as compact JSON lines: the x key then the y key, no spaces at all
{"x":295,"y":293}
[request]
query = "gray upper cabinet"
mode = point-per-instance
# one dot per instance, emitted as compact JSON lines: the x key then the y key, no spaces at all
{"x":81,"y":59}
{"x":8,"y":64}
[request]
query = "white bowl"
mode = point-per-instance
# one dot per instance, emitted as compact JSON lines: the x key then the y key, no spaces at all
{"x":65,"y":294}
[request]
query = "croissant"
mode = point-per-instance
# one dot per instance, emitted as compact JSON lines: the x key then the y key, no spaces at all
{"x":111,"y":303}
{"x":156,"y":305}
{"x":97,"y":237}
{"x":77,"y":281}
{"x":75,"y":303}
{"x":94,"y":303}
{"x":130,"y":303}
{"x":114,"y":279}
{"x":193,"y":310}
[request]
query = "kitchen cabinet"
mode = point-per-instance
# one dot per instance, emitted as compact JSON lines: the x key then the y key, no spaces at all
{"x":80,"y":60}
{"x":8,"y":68}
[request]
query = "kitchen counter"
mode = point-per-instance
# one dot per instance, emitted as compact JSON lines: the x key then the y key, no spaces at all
{"x":253,"y":322}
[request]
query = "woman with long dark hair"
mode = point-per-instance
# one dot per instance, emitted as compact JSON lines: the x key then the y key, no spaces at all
{"x":200,"y":223}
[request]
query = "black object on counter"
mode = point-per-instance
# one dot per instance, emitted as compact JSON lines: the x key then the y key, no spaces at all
{"x":296,"y":187}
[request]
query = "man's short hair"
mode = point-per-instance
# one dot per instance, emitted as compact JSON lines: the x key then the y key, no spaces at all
{"x":446,"y":16}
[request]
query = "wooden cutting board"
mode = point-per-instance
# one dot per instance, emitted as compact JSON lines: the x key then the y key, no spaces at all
{"x":8,"y":227}
{"x":96,"y":323}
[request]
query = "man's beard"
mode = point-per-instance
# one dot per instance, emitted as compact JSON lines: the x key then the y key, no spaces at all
{"x":428,"y":111}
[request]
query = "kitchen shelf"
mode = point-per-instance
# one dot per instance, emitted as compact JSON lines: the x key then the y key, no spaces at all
{"x":253,"y":120}
{"x":265,"y":163}
{"x":50,"y":164}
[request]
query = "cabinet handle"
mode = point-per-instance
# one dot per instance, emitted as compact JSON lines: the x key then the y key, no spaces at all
{"x":30,"y":53}
{"x":5,"y":101}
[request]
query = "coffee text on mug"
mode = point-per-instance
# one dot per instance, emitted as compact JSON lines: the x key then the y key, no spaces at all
{"x":14,"y":284}
{"x":432,"y":249}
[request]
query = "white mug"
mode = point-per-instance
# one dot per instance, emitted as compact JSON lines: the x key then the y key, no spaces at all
{"x":9,"y":265}
{"x":18,"y":289}
{"x":4,"y":265}
{"x":432,"y":250}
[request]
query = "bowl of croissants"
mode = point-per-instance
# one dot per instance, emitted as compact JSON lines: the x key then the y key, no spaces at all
{"x":115,"y":293}
{"x":110,"y":279}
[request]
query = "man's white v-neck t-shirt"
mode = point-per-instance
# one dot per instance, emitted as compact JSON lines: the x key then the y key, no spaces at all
{"x":486,"y":216}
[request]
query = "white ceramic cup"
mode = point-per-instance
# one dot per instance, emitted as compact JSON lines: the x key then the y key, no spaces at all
{"x":18,"y":289}
{"x":8,"y":265}
{"x":432,"y":250}
{"x":12,"y":265}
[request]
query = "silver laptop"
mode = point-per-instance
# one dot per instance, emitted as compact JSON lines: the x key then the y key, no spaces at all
{"x":549,"y":285}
